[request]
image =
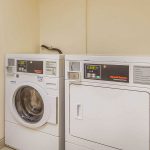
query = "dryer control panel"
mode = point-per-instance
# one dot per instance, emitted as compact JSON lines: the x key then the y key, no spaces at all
{"x":118,"y":73}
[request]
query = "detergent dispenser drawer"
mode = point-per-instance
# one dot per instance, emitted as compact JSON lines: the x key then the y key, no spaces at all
{"x":118,"y":118}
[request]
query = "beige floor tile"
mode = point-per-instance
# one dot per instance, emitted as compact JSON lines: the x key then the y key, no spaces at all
{"x":5,"y":148}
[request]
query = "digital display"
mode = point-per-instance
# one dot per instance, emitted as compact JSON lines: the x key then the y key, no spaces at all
{"x":92,"y":67}
{"x":21,"y":65}
{"x":21,"y":62}
{"x":92,"y":71}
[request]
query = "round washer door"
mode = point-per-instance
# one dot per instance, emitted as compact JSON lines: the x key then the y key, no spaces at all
{"x":31,"y":105}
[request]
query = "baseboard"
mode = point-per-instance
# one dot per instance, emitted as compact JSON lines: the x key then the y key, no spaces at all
{"x":2,"y":143}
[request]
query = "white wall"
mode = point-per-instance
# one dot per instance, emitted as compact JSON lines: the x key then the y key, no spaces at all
{"x":19,"y":33}
{"x":119,"y":27}
{"x":113,"y":26}
{"x":62,"y":24}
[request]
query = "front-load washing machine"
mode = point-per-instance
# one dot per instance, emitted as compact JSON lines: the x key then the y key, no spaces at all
{"x":34,"y":102}
{"x":107,"y":103}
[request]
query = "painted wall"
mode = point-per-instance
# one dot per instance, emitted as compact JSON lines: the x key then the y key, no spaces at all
{"x":113,"y":26}
{"x":119,"y":27}
{"x":62,"y":24}
{"x":19,"y":33}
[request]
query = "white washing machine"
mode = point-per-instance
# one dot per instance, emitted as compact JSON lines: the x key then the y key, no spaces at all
{"x":107,"y":103}
{"x":34,"y":102}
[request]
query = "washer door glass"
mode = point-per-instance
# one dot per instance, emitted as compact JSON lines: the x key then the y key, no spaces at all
{"x":29,"y":104}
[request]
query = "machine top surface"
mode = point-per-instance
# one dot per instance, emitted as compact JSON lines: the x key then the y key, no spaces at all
{"x":40,"y":56}
{"x":132,"y":59}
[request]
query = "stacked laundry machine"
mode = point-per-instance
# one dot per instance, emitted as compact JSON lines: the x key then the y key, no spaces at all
{"x":34,"y":102}
{"x":107,"y":103}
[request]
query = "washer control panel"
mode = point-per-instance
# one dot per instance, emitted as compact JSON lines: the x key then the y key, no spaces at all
{"x":30,"y":66}
{"x":117,"y":73}
{"x":50,"y":68}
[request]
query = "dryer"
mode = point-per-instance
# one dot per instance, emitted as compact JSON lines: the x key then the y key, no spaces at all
{"x":107,"y":102}
{"x":34,"y":101}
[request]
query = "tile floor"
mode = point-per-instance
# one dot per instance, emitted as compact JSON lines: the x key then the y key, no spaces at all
{"x":5,"y":148}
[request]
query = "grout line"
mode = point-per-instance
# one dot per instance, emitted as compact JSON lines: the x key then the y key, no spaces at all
{"x":2,"y":143}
